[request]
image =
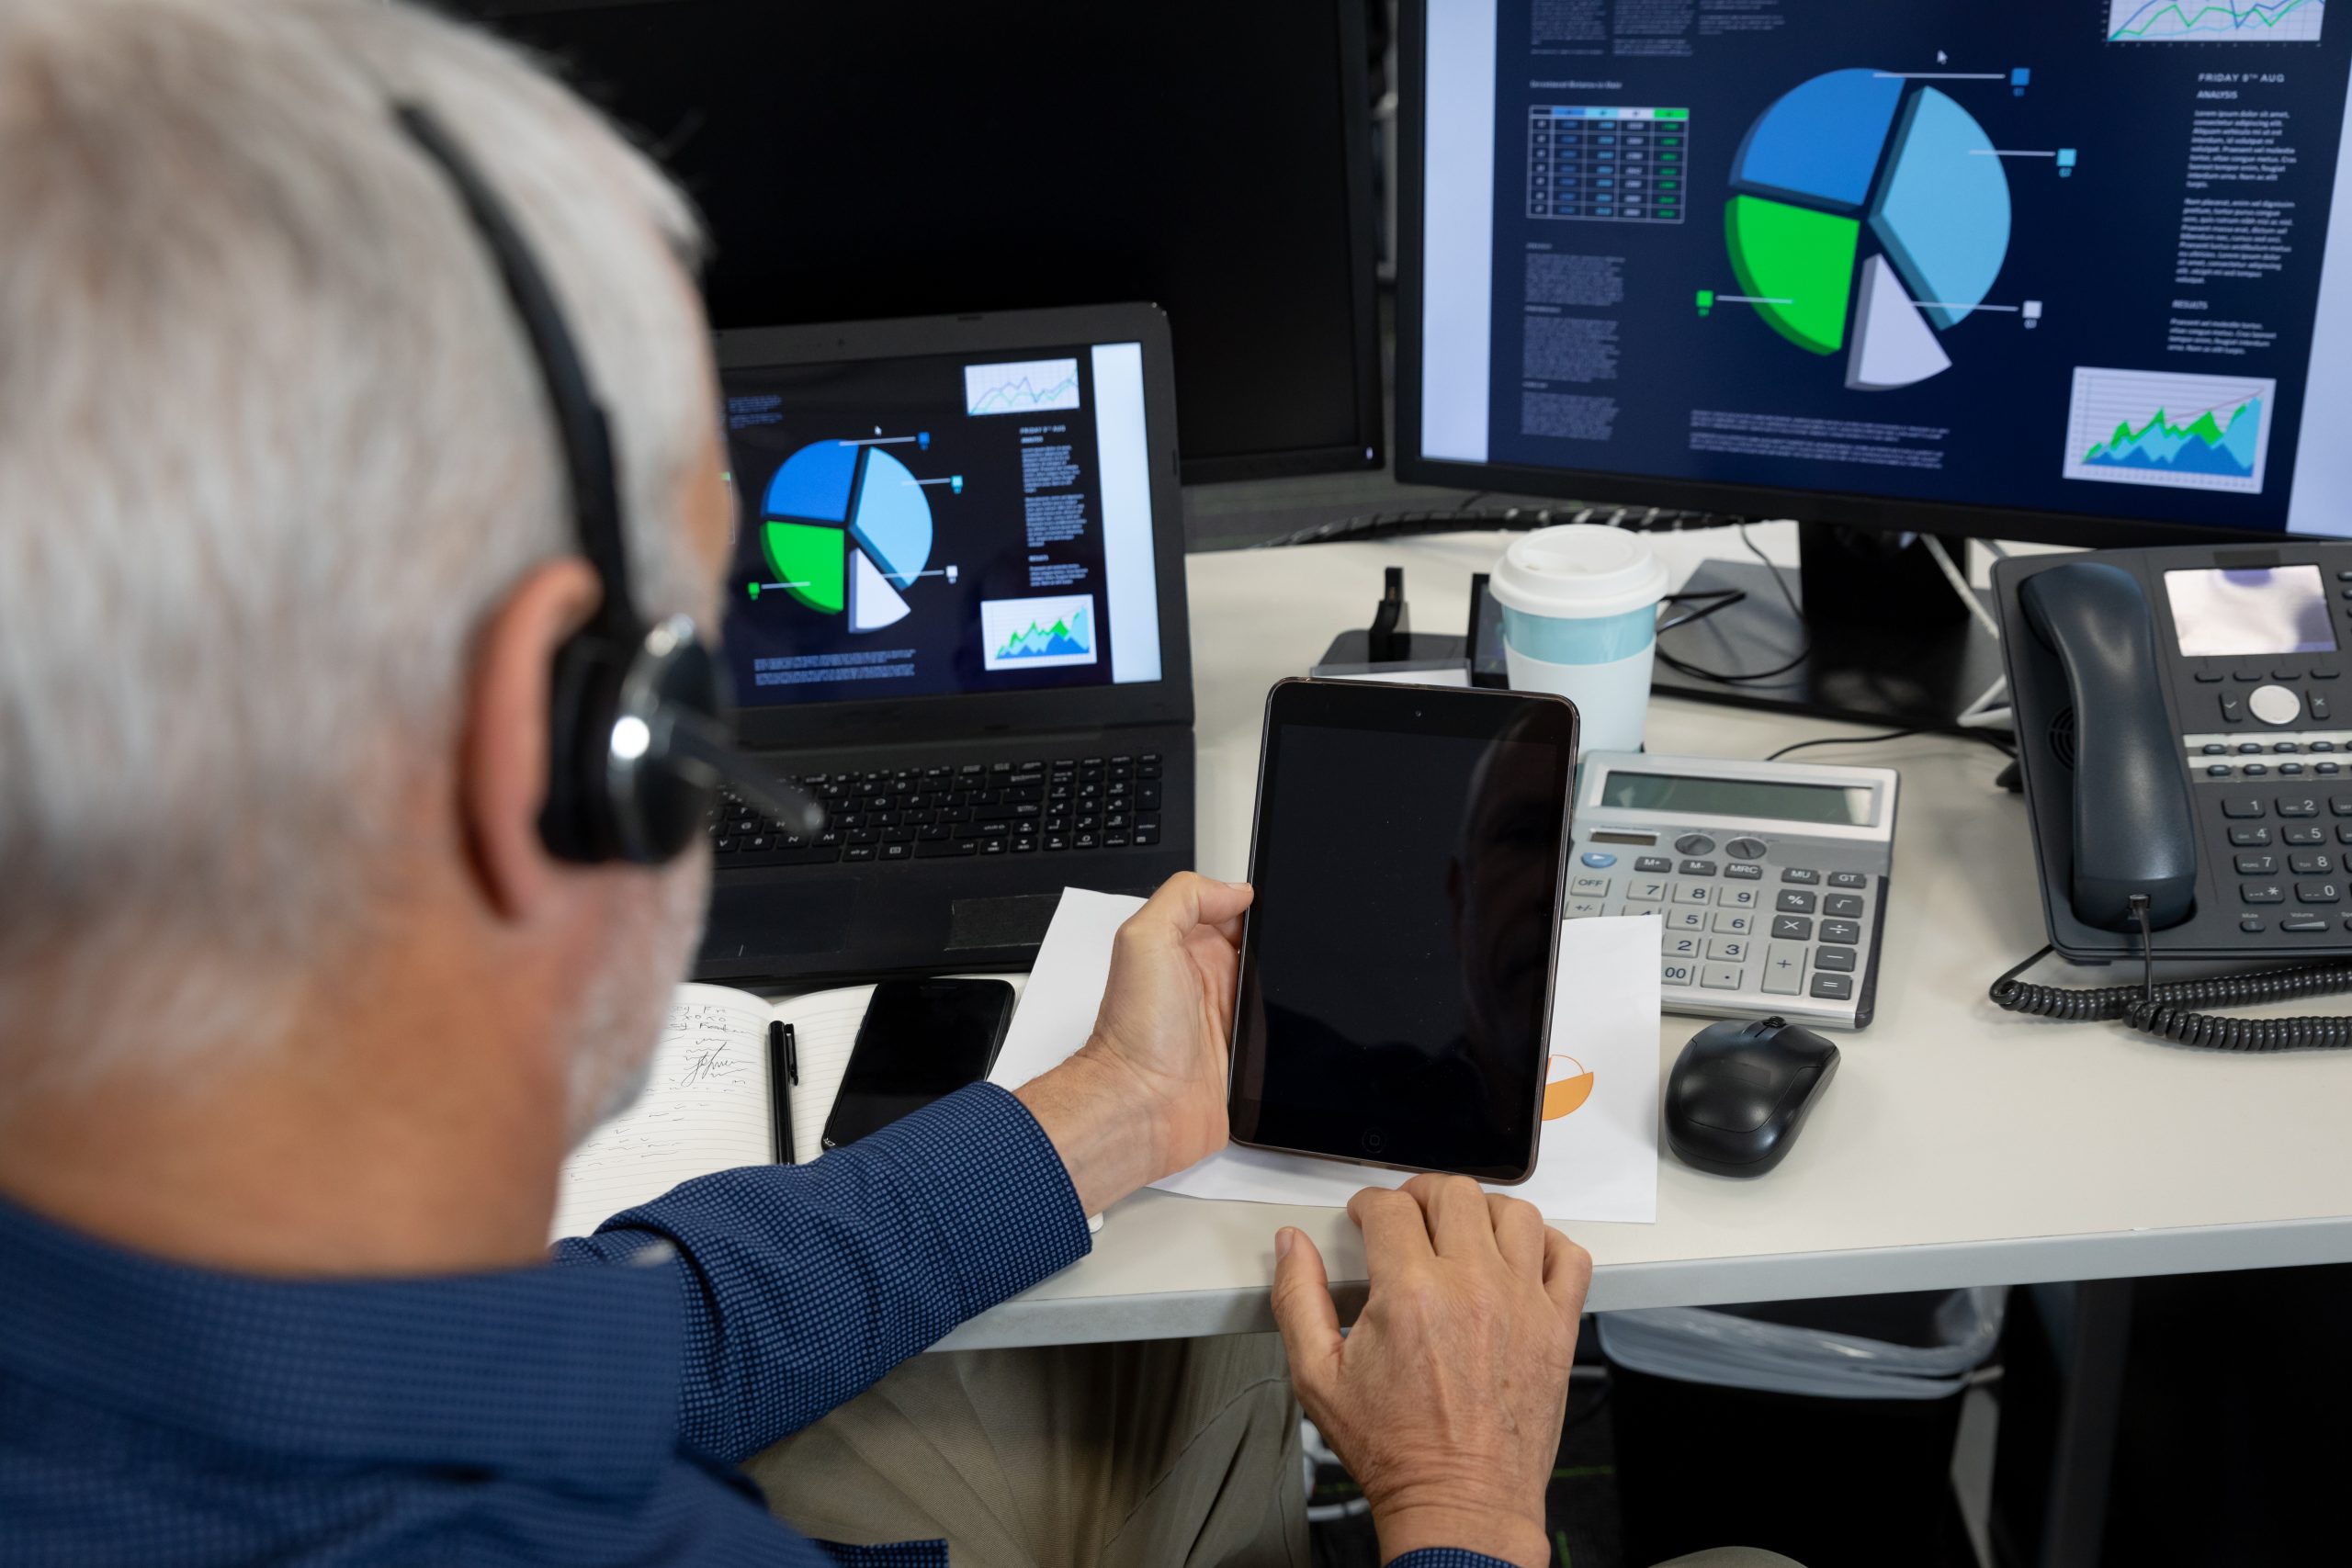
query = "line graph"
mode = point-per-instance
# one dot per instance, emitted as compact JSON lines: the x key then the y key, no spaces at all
{"x":1026,"y":386}
{"x":2215,"y":21}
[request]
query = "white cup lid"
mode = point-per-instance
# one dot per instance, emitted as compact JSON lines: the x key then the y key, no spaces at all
{"x":1579,"y":571}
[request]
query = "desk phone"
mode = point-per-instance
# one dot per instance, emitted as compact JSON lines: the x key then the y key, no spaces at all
{"x":2185,"y":735}
{"x":1770,"y":878}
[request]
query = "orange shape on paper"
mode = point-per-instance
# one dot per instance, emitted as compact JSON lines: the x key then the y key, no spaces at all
{"x":1565,"y":1090}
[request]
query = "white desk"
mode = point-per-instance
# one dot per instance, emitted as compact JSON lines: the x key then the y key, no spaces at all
{"x":1958,"y":1145}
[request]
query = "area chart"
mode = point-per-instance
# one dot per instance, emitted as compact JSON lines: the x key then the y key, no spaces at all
{"x":1040,"y":633}
{"x":2170,"y":428}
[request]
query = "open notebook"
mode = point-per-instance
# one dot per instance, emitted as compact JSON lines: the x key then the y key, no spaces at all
{"x":705,"y":1107}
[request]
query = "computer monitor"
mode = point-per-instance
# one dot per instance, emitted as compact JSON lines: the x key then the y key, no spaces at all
{"x":857,"y":161}
{"x":2010,"y":268}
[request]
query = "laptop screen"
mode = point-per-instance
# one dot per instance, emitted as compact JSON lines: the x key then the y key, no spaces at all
{"x":940,"y":525}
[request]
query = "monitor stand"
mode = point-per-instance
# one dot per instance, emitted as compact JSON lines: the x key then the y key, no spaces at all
{"x":1886,"y":640}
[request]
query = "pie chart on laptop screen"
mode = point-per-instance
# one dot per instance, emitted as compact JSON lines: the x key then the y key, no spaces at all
{"x":845,"y":528}
{"x":1871,"y":217}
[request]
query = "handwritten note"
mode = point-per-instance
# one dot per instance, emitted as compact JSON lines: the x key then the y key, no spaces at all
{"x":705,"y":1109}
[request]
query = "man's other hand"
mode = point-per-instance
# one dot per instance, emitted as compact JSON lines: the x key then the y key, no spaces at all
{"x":1445,"y":1400}
{"x":1144,"y":1096}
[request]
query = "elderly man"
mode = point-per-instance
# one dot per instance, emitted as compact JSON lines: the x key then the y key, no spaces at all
{"x":298,"y":1015}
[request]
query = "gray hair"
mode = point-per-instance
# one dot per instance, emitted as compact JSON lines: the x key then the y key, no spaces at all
{"x":271,"y":448}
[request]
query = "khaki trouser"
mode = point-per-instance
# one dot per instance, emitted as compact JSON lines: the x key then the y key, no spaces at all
{"x":1153,"y":1455}
{"x":1172,"y":1452}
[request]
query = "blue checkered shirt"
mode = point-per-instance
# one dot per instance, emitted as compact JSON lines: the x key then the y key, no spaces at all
{"x":586,"y":1413}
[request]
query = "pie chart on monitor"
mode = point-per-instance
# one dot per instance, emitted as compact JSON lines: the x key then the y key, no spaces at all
{"x":1871,"y":218}
{"x":847,"y":528}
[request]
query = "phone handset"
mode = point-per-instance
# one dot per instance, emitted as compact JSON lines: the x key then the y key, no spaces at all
{"x":2134,"y":826}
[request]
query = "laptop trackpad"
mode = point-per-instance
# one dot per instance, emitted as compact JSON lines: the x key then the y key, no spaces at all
{"x":1018,"y":920}
{"x":786,"y":918}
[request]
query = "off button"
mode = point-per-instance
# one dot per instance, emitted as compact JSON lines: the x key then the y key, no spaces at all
{"x":1746,"y":849}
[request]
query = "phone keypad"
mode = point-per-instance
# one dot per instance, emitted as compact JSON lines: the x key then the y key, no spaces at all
{"x":2299,"y":892}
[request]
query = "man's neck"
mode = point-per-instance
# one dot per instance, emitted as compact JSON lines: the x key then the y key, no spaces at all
{"x":329,"y":1153}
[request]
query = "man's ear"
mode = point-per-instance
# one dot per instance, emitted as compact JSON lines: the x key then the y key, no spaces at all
{"x":503,"y":779}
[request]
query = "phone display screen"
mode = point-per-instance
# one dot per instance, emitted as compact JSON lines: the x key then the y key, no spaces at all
{"x":1397,"y":971}
{"x":921,"y":1040}
{"x":2218,"y":612}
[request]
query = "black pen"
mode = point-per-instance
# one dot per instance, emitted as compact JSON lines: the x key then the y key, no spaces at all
{"x":782,"y":1070}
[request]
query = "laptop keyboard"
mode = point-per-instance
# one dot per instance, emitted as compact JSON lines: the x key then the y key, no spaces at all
{"x":939,"y":810}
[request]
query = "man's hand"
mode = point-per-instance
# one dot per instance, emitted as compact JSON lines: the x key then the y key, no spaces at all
{"x":1445,"y":1401}
{"x":1145,"y":1096}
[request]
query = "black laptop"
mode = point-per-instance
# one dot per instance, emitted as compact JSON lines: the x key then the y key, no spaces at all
{"x":956,"y":614}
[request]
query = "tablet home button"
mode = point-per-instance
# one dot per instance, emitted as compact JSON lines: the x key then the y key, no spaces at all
{"x":1375,"y":1141}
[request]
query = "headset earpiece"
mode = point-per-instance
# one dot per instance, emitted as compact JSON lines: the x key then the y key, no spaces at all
{"x":619,"y":787}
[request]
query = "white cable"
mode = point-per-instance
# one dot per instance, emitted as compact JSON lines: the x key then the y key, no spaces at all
{"x":1959,"y":580}
{"x":1986,"y":698}
{"x":1990,"y":710}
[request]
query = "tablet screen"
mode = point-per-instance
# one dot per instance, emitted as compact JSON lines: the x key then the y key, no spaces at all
{"x":1395,"y":978}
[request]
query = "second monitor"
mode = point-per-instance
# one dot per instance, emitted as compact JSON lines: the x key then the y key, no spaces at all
{"x":2057,"y":272}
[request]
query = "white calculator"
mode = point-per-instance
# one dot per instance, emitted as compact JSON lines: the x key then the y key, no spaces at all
{"x":1771,"y":877}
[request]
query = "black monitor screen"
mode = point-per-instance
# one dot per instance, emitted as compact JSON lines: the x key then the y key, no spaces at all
{"x":857,"y":161}
{"x":2065,"y":257}
{"x":939,"y":525}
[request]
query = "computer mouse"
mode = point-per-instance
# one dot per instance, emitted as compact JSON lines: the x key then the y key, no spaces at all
{"x":1740,"y":1092}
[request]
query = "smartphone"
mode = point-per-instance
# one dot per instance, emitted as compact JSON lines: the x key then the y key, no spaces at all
{"x":921,"y":1040}
{"x":1394,"y":1000}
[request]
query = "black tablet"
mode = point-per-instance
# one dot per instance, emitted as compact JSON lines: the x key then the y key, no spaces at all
{"x":1396,"y":992}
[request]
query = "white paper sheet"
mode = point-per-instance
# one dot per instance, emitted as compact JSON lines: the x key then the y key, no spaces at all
{"x":1597,"y":1162}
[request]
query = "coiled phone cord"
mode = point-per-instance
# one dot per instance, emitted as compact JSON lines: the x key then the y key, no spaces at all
{"x":2169,"y":1011}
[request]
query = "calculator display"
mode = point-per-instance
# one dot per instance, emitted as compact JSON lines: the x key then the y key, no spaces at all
{"x":1842,"y":805}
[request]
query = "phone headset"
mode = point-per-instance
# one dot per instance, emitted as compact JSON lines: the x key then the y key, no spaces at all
{"x":638,"y":734}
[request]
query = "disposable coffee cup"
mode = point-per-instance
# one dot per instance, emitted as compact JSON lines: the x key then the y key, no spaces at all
{"x":1579,"y":605}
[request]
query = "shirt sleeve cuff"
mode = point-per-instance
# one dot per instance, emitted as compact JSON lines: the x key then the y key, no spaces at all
{"x":1018,"y":1223}
{"x":1446,"y":1557}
